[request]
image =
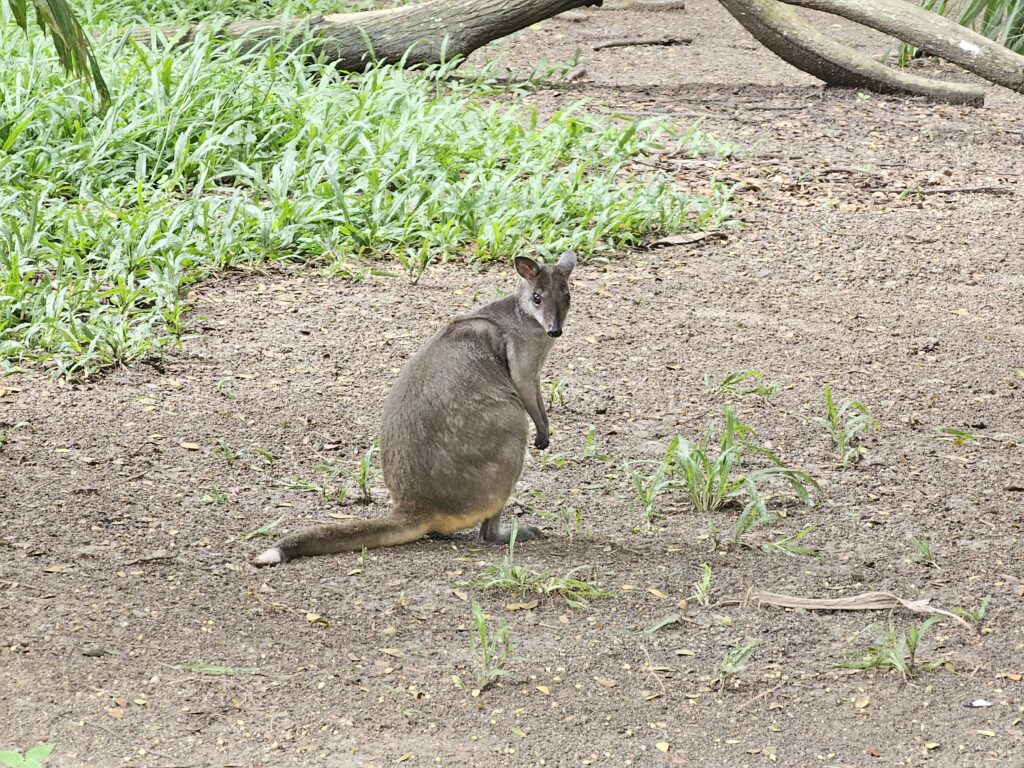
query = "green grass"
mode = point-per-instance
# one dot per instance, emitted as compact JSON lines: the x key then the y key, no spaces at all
{"x":734,"y":661}
{"x":717,"y":472}
{"x":210,"y":159}
{"x":745,"y":382}
{"x":714,"y":479}
{"x":922,"y":553}
{"x":506,"y":575}
{"x":845,"y":424}
{"x":893,"y":650}
{"x":492,"y":649}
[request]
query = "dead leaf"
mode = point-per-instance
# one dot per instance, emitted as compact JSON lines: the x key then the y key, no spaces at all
{"x":657,"y":593}
{"x":116,"y":712}
{"x":190,"y":446}
{"x":860,"y":702}
{"x":672,"y":618}
{"x":606,"y":682}
{"x":686,"y":238}
{"x":544,"y":689}
{"x":662,"y":746}
{"x":461,"y":594}
{"x":527,"y":606}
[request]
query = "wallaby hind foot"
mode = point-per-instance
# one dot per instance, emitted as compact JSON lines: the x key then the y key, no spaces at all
{"x":492,"y":532}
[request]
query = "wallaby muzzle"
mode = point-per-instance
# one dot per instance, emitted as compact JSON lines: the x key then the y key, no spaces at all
{"x":555,"y":333}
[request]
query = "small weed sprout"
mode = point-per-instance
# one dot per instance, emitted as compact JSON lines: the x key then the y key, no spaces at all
{"x":591,"y":450}
{"x":264,"y":454}
{"x":977,"y":615}
{"x":506,"y":575}
{"x":303,"y":486}
{"x":491,"y":647}
{"x":790,"y":545}
{"x":572,"y":522}
{"x":648,"y":486}
{"x":7,"y":431}
{"x":922,"y":551}
{"x":267,"y":529}
{"x":415,"y":260}
{"x":224,"y":390}
{"x":34,"y":758}
{"x":958,"y":436}
{"x":365,"y":474}
{"x":215,"y":496}
{"x":735,"y":660}
{"x":556,"y":392}
{"x":225,"y":450}
{"x":747,"y":382}
{"x":891,"y":650}
{"x":549,"y":460}
{"x":702,"y":588}
{"x":845,"y":426}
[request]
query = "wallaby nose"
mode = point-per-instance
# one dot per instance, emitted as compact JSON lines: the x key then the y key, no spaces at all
{"x":555,"y":333}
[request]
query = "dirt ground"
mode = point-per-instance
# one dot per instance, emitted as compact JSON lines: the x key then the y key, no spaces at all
{"x":122,"y":505}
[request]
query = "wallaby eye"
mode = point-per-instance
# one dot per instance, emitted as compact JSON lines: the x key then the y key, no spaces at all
{"x":536,"y":298}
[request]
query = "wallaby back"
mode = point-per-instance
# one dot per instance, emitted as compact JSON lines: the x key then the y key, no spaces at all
{"x":454,"y":429}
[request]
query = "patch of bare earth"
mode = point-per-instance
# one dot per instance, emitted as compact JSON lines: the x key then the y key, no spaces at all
{"x":122,"y":506}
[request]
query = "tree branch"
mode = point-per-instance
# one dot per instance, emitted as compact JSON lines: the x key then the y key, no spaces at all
{"x":781,"y":30}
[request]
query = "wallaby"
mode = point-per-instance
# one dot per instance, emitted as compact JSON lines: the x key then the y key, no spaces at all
{"x":454,"y":431}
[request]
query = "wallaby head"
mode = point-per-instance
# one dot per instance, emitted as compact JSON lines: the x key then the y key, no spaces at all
{"x":544,"y":291}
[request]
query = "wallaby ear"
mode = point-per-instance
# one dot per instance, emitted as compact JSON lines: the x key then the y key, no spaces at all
{"x":527,"y":268}
{"x":566,"y":263}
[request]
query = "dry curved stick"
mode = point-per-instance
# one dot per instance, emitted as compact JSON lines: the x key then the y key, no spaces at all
{"x":867,"y":601}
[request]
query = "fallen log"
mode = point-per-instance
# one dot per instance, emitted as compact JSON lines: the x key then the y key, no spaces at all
{"x":932,"y":33}
{"x":784,"y":33}
{"x":424,"y":34}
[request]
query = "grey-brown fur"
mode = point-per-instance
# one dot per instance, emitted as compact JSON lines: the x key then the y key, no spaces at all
{"x":454,"y":430}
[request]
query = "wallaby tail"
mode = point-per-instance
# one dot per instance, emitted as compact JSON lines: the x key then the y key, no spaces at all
{"x":349,"y":536}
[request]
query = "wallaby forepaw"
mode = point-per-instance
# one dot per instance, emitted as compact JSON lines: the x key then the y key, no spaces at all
{"x":272,"y":556}
{"x":541,"y":442}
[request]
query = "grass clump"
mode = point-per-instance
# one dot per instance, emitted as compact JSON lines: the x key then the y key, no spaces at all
{"x":922,"y":553}
{"x":715,"y":473}
{"x":506,"y":575}
{"x":734,"y":661}
{"x":892,"y":650}
{"x":845,"y":424}
{"x":211,"y":158}
{"x":492,"y":649}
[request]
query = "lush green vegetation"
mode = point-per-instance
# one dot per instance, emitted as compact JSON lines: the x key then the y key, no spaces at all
{"x":211,"y":159}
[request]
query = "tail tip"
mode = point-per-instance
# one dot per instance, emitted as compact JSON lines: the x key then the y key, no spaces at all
{"x":272,"y":556}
